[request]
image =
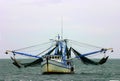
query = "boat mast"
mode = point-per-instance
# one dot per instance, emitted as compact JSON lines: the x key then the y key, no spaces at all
{"x":62,"y":27}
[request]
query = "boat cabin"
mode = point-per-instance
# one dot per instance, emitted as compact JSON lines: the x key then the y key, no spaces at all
{"x":52,"y":57}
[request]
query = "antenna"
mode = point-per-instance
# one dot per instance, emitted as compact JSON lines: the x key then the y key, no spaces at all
{"x":62,"y":27}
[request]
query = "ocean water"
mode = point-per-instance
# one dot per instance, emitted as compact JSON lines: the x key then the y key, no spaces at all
{"x":107,"y":72}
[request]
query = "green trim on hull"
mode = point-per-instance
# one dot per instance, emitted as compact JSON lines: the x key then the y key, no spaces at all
{"x":58,"y":72}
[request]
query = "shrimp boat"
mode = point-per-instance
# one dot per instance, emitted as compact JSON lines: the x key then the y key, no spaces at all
{"x":59,"y":55}
{"x":60,"y":62}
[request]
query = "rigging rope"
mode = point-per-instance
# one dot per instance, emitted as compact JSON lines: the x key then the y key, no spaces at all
{"x":78,"y":43}
{"x":32,"y":46}
{"x":45,"y":50}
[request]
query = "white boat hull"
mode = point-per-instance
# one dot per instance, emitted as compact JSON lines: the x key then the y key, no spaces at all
{"x":55,"y":67}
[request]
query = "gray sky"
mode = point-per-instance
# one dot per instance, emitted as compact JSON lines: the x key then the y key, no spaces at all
{"x":28,"y":22}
